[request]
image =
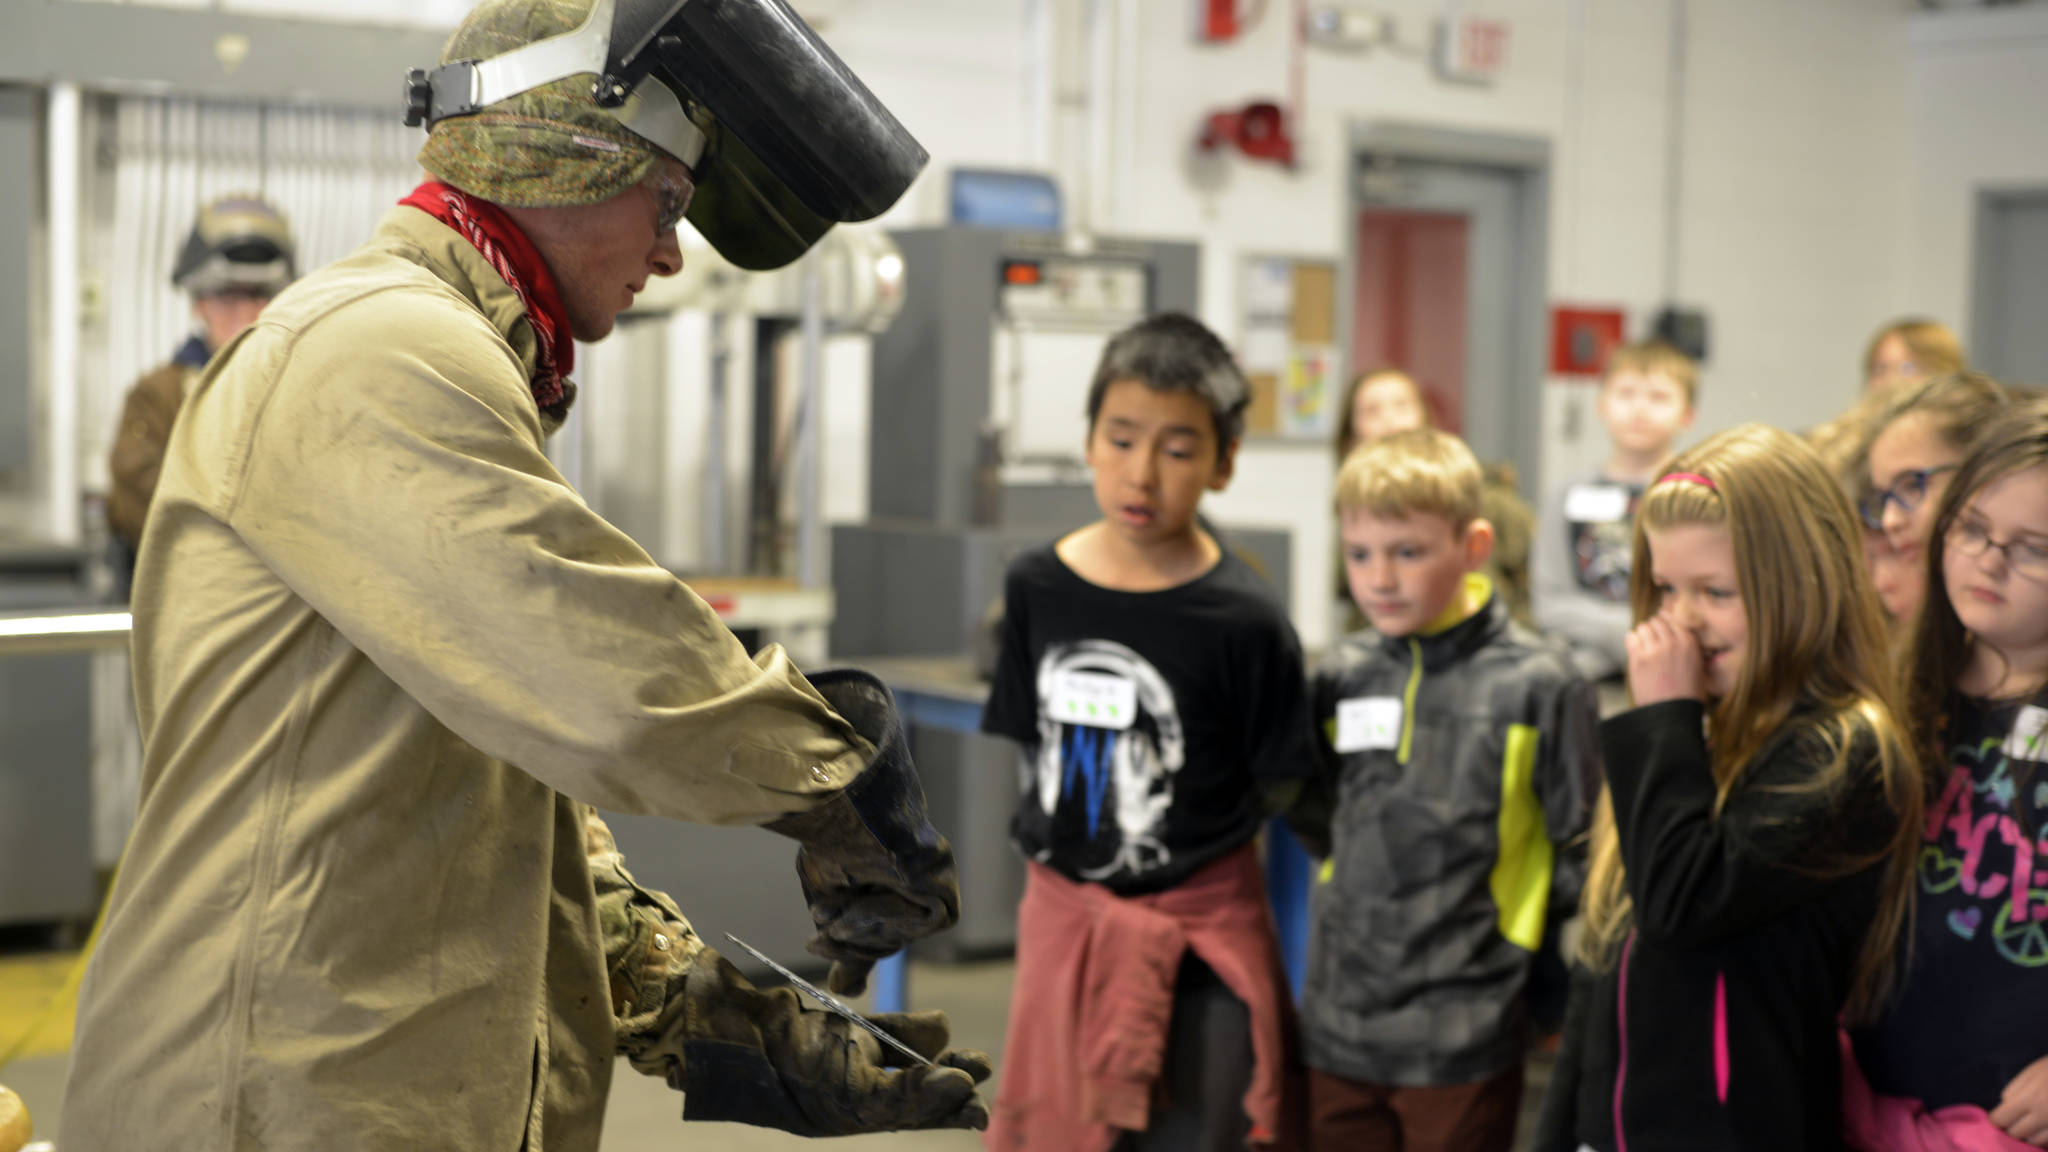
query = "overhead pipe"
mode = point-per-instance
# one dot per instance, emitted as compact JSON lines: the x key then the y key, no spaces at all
{"x":718,"y":418}
{"x":1674,"y":144}
{"x":1098,"y":184}
{"x":1124,"y":111}
{"x":1041,"y":34}
{"x":810,"y":550}
{"x":66,"y":126}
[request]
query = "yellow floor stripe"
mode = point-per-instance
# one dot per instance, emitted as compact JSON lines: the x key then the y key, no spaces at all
{"x":28,"y":987}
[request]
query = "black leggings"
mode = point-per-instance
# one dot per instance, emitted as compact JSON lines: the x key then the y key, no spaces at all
{"x":1208,"y":1068}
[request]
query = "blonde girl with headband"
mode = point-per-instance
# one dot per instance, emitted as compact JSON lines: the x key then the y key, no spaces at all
{"x":1747,"y":879}
{"x":1966,"y":1041}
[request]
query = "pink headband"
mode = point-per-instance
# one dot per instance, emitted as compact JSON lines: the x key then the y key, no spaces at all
{"x":1690,"y":478}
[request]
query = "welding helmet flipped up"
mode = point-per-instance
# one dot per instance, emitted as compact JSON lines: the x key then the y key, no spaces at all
{"x":782,"y":139}
{"x":239,"y":243}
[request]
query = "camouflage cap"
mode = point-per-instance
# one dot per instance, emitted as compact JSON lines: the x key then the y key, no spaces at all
{"x":550,"y":147}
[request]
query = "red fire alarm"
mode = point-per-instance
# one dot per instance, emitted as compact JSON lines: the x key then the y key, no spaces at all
{"x":1216,"y":21}
{"x":1581,"y":338}
{"x":1259,"y":130}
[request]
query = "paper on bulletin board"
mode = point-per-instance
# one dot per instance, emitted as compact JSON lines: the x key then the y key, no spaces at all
{"x":1265,"y":349}
{"x":1268,"y":292}
{"x":1307,"y":392}
{"x":1287,"y":339}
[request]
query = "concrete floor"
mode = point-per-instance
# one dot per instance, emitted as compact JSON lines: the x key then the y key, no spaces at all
{"x":644,"y":1115}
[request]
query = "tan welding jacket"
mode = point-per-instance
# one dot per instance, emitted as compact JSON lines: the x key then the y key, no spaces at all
{"x":384,"y":658}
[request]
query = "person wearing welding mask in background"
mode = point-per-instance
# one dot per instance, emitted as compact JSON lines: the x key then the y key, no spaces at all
{"x":387,"y":661}
{"x":238,"y":255}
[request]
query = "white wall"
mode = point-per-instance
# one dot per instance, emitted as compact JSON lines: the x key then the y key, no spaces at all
{"x":1978,"y":85}
{"x":1794,"y":178}
{"x":1799,"y":182}
{"x":1793,"y":200}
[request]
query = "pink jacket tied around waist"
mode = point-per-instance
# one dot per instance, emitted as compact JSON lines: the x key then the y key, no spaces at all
{"x":1094,"y":999}
{"x":1874,"y":1123}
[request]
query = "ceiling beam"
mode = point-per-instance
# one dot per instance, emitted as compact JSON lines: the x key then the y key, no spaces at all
{"x":203,"y":52}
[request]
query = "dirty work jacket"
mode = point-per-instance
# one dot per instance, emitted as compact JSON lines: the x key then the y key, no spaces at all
{"x":384,"y":658}
{"x":1474,"y":761}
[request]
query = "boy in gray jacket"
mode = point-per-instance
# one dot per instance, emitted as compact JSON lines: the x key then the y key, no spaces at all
{"x":1460,"y":761}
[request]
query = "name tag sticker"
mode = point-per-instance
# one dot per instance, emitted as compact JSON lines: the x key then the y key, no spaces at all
{"x":1596,"y":504}
{"x":1094,"y":699}
{"x":1366,"y":723}
{"x":2028,"y":741}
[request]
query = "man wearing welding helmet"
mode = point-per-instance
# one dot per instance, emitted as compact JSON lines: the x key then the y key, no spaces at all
{"x":238,"y":255}
{"x":387,"y":661}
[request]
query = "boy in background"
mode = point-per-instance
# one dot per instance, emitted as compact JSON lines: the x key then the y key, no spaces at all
{"x":1582,"y":544}
{"x":1157,"y":693}
{"x":1459,"y":749}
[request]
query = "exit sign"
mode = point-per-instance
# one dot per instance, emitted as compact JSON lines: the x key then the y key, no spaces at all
{"x":1471,"y":50}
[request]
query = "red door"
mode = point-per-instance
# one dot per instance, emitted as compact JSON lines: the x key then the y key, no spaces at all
{"x":1409,"y":303}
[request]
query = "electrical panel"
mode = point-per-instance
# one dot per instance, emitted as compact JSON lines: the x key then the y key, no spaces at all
{"x":1086,"y":293}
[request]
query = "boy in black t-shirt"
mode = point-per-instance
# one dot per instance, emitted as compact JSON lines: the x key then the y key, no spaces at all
{"x":1157,"y":693}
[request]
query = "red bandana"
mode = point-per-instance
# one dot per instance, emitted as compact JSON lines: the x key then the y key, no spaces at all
{"x":501,"y":242}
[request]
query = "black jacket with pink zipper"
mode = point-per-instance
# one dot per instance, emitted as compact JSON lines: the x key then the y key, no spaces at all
{"x":1716,"y":1028}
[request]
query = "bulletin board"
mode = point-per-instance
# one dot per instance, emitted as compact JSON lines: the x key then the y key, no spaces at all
{"x":1287,"y":345}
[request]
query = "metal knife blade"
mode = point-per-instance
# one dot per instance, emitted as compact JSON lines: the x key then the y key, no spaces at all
{"x":834,"y":1003}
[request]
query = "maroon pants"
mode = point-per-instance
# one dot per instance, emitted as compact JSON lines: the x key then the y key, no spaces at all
{"x":1346,"y":1116}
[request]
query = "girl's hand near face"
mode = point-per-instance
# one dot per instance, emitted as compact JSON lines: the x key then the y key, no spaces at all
{"x":1664,"y":663}
{"x":2023,"y":1111}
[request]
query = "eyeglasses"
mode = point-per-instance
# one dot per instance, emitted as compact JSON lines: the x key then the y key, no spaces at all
{"x":672,"y":195}
{"x":1907,"y":492}
{"x":1972,"y":538}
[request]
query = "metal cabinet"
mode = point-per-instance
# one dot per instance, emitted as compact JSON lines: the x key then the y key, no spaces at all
{"x":46,"y":873}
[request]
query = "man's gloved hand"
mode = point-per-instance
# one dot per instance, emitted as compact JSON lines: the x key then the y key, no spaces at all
{"x":875,"y":872}
{"x":760,"y":1057}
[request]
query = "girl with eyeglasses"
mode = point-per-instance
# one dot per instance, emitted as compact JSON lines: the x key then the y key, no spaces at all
{"x":1913,"y":450}
{"x":1965,"y":1044}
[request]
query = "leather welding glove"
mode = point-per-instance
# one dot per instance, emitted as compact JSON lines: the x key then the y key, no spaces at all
{"x":875,"y":872}
{"x":750,"y":1056}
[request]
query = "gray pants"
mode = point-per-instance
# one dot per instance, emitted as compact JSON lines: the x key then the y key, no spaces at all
{"x":1208,"y":1068}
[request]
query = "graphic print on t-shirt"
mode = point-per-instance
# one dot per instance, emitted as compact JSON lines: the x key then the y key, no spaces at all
{"x":1110,"y":744}
{"x":1600,"y":521}
{"x":1984,"y":851}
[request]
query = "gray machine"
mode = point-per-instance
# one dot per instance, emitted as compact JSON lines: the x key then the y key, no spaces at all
{"x":979,"y":423}
{"x":46,"y":865}
{"x":979,"y":394}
